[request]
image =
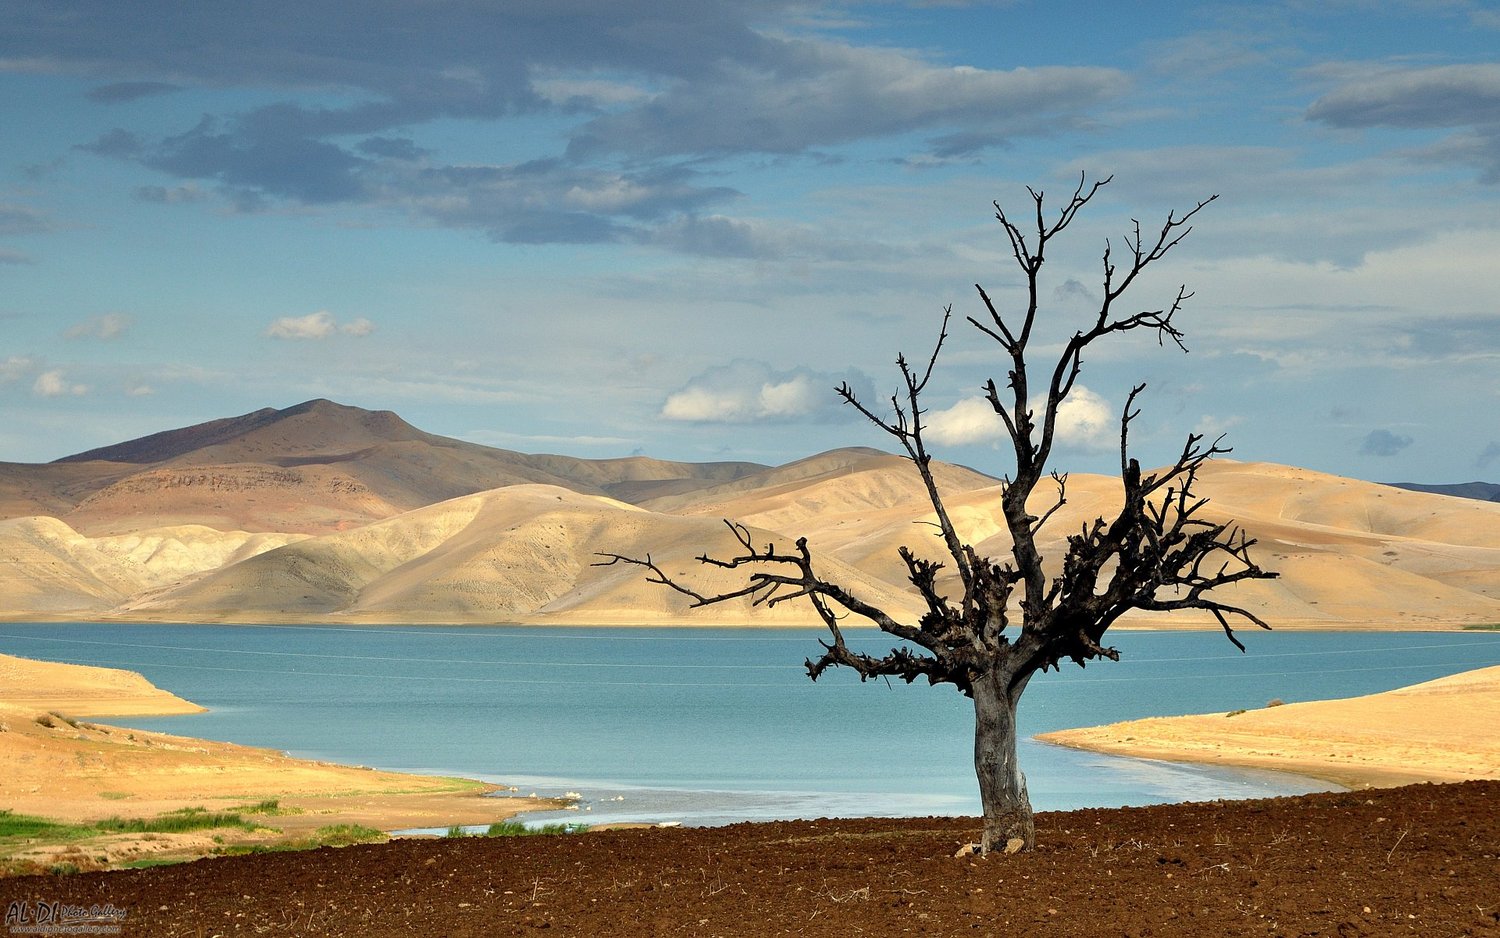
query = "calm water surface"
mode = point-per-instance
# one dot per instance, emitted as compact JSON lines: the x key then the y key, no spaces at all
{"x":709,"y":726}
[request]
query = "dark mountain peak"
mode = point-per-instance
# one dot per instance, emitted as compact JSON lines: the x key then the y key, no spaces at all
{"x":168,"y":444}
{"x":384,"y":425}
{"x":1483,"y":491}
{"x":323,"y":407}
{"x":316,"y":426}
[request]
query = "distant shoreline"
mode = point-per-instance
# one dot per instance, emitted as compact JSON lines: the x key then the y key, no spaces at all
{"x":1248,"y":630}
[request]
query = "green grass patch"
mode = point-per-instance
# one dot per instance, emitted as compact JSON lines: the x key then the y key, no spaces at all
{"x":30,"y":827}
{"x":115,"y":795}
{"x":1483,"y":627}
{"x":342,"y":835}
{"x":270,"y":807}
{"x":175,"y":822}
{"x":517,"y":829}
{"x":27,"y":831}
{"x":15,"y":827}
{"x":334,"y":835}
{"x":148,"y":862}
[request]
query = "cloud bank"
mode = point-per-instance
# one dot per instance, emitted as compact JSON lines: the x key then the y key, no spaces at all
{"x":319,"y":325}
{"x":1084,"y":420}
{"x":754,"y":392}
{"x":640,"y":91}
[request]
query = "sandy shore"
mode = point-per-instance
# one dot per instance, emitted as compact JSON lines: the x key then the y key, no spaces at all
{"x":1439,"y":731}
{"x":58,"y":766}
{"x":76,"y":690}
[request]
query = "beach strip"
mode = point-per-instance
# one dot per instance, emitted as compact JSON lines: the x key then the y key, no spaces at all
{"x":1437,"y":731}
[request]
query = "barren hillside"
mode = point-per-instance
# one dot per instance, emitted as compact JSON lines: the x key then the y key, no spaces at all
{"x":324,"y":511}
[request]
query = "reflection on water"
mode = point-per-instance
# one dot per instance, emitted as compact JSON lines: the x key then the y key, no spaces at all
{"x":708,"y":726}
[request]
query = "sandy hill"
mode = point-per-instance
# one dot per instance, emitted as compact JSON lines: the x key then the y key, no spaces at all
{"x":313,"y":468}
{"x":520,"y":553}
{"x":856,"y":505}
{"x":1424,"y":732}
{"x":635,"y":479}
{"x":51,"y":570}
{"x":1357,"y":552}
{"x":325,"y":510}
{"x":801,"y":470}
{"x":1350,"y":553}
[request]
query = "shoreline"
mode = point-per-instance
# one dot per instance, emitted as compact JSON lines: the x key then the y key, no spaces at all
{"x":75,"y":773}
{"x":1352,"y":779}
{"x":1427,"y":732}
{"x":96,"y":774}
{"x":1479,"y":625}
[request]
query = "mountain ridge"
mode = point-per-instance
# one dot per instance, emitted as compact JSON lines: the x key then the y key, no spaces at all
{"x":1482,"y":491}
{"x":323,"y":513}
{"x":315,"y":467}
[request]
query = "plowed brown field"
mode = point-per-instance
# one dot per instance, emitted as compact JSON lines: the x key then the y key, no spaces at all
{"x":1421,"y":860}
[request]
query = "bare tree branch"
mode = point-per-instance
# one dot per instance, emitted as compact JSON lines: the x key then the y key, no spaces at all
{"x":1158,"y":553}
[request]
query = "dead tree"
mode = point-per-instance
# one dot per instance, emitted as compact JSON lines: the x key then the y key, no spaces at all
{"x":994,"y":625}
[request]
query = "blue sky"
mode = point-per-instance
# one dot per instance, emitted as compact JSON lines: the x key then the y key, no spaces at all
{"x":673,"y":226}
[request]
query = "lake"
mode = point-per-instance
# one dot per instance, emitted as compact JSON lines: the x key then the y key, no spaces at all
{"x":710,"y":725}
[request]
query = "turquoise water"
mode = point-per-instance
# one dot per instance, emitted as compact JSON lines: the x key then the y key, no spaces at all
{"x":709,"y":726}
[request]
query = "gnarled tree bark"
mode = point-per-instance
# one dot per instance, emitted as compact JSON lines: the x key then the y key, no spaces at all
{"x":1008,"y":822}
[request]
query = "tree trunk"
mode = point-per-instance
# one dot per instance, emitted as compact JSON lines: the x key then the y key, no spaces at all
{"x":1008,"y":823}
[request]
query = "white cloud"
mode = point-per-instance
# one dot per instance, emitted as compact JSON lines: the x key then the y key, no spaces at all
{"x":108,"y":326}
{"x":319,"y":325}
{"x":15,"y":368}
{"x":747,"y":391}
{"x":588,"y":92}
{"x":1435,"y":96}
{"x":1212,"y":427}
{"x":701,"y":405}
{"x":504,"y":438}
{"x":773,"y":400}
{"x":971,"y":420}
{"x":800,"y":94}
{"x":54,"y":384}
{"x":791,"y":398}
{"x":1084,"y":420}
